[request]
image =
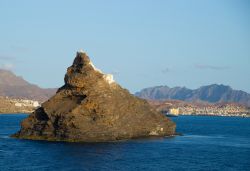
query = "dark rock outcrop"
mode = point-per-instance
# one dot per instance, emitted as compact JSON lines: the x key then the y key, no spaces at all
{"x":91,"y":107}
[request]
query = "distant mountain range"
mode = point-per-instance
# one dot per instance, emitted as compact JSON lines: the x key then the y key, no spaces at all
{"x":16,"y":87}
{"x":212,"y":93}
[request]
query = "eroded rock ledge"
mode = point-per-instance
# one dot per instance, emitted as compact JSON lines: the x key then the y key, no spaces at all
{"x":92,"y":107}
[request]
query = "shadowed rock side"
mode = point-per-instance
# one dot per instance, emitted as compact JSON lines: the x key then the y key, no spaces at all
{"x":91,"y":107}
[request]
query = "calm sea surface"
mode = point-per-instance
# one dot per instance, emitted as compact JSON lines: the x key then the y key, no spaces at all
{"x":208,"y":143}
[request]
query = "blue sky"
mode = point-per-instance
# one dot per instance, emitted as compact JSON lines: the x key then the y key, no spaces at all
{"x":142,"y":42}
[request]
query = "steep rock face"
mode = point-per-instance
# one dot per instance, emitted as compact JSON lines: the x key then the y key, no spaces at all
{"x":91,"y":107}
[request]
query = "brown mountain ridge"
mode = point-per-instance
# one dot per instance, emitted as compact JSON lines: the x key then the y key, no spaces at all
{"x":16,"y":87}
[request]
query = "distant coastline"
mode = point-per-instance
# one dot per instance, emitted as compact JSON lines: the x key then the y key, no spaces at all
{"x":16,"y":106}
{"x":241,"y":116}
{"x":170,"y":108}
{"x":177,"y":107}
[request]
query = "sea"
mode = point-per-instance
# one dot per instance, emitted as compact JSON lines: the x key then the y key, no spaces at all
{"x":207,"y":143}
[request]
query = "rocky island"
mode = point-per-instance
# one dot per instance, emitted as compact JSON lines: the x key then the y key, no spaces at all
{"x":92,"y":107}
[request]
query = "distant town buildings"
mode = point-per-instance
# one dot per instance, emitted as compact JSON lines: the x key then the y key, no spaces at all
{"x":10,"y":105}
{"x":174,"y":111}
{"x":217,"y":109}
{"x":25,"y":103}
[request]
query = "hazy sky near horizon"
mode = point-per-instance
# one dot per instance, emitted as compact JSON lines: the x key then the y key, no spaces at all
{"x":142,"y":42}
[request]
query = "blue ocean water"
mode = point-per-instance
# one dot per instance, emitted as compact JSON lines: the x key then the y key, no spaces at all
{"x":208,"y":143}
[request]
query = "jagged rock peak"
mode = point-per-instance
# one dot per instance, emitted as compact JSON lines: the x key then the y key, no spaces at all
{"x":84,"y":69}
{"x":81,"y":58}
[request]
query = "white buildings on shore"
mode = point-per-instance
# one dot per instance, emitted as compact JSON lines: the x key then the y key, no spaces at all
{"x":213,"y":110}
{"x":25,"y":103}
